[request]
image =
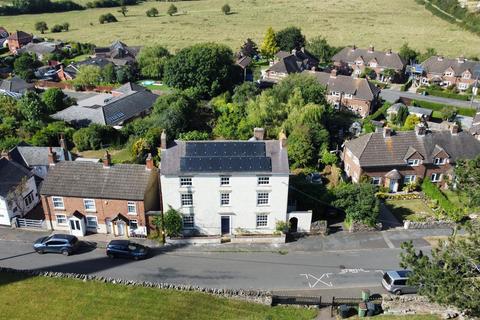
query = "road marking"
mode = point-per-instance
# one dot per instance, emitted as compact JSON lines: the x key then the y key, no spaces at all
{"x":387,"y":241}
{"x":318,"y":280}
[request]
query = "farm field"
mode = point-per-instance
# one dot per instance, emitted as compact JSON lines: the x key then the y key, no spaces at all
{"x":383,"y":23}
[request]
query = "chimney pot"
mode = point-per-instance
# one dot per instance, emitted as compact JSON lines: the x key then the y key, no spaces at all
{"x":294,"y":52}
{"x":371,"y":48}
{"x":387,"y":132}
{"x":107,"y":160}
{"x":420,"y":129}
{"x":454,"y":129}
{"x":259,"y":133}
{"x":333,"y":73}
{"x":163,"y":140}
{"x":389,"y":52}
{"x":149,"y":162}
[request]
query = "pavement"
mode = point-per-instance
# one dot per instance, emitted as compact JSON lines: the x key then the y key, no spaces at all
{"x":393,"y":95}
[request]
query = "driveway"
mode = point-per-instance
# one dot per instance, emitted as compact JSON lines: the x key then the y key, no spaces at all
{"x":393,"y":95}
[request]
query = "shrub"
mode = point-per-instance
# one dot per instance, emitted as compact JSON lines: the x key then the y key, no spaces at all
{"x":446,"y":94}
{"x":406,"y":86}
{"x":432,"y":191}
{"x":107,"y":18}
{"x":282,"y":226}
{"x":173,"y":223}
{"x":152,"y":12}
{"x":226,"y":9}
{"x":56,"y":28}
{"x":172,"y":10}
{"x":438,"y":107}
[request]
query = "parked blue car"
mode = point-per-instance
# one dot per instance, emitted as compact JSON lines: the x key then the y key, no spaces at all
{"x":65,"y":244}
{"x":126,"y":249}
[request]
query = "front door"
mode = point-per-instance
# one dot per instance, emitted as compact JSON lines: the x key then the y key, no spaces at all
{"x":108,"y":223}
{"x":225,"y":225}
{"x":77,"y":228}
{"x":121,"y":228}
{"x":393,"y":185}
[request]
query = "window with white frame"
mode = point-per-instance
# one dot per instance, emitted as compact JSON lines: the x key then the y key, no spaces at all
{"x":262,"y":198}
{"x":413,"y":162}
{"x":133,"y":224}
{"x":188,"y":221}
{"x":463,"y":86}
{"x":224,"y":181}
{"x":185,"y":181}
{"x":436,"y":177}
{"x":61,"y":218}
{"x":89,"y":205}
{"x":439,"y":161}
{"x":348,"y":96}
{"x":225,"y":199}
{"x":409,"y":178}
{"x":28,"y":199}
{"x":92,"y":221}
{"x":262,"y":220}
{"x":263,"y":180}
{"x":466,"y":75}
{"x":131,"y":207}
{"x":58,"y":203}
{"x":376,"y":181}
{"x":187,"y":199}
{"x":449,"y":74}
{"x":373,"y":64}
{"x":335,"y":93}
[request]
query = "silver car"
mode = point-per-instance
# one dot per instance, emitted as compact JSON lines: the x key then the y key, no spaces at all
{"x":396,"y":282}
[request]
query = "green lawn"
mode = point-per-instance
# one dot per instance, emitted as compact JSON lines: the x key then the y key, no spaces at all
{"x":118,"y":156}
{"x":459,"y":200}
{"x":413,"y":210}
{"x":41,"y":298}
{"x":383,"y":23}
{"x":409,"y":317}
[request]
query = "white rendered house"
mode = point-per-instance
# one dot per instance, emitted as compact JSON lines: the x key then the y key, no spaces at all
{"x":226,"y":187}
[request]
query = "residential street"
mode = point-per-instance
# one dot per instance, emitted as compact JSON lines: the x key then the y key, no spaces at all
{"x":393,"y":95}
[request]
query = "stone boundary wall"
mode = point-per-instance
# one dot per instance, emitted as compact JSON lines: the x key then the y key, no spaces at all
{"x":360,"y":227}
{"x":259,"y":239}
{"x":194,"y":240}
{"x":255,"y":296}
{"x":441,"y":224}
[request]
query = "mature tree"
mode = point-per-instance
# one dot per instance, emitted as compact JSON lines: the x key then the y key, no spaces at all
{"x":430,"y":52}
{"x":467,"y":180}
{"x":56,"y":28}
{"x":449,"y":276}
{"x":32,"y":107}
{"x":226,"y":9}
{"x":24,"y":66}
{"x":194,"y":135}
{"x":300,"y":151}
{"x":249,"y":48}
{"x":66,"y":26}
{"x":401,"y":116}
{"x":172,"y":10}
{"x":290,"y":38}
{"x":208,"y":68}
{"x":109,"y":74}
{"x":152,"y":12}
{"x":123,"y":10}
{"x":411,"y":121}
{"x":107,"y":18}
{"x":151,"y":61}
{"x":320,"y":48}
{"x":49,"y":135}
{"x":359,"y":202}
{"x":88,"y":75}
{"x":328,"y":158}
{"x":95,"y":137}
{"x":41,"y":26}
{"x":244,"y":92}
{"x":8,"y":108}
{"x":54,"y":99}
{"x":407,"y":53}
{"x":269,"y":45}
{"x":126,"y":73}
{"x":389,"y":74}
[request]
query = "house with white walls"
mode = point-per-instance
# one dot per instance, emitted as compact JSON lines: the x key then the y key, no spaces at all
{"x":226,"y":187}
{"x":18,"y":191}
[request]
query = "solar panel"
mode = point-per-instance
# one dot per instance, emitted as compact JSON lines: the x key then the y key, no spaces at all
{"x":115,"y":117}
{"x":225,"y":149}
{"x":225,"y":164}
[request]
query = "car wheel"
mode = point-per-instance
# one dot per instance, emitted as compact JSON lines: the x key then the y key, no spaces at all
{"x":398,"y":292}
{"x":110,"y":255}
{"x":40,"y":252}
{"x":136,"y":258}
{"x":65,"y":252}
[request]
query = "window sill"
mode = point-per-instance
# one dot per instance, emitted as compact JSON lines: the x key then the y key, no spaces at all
{"x":263,"y":205}
{"x":187,"y":206}
{"x":132,"y":213}
{"x":59,"y":209}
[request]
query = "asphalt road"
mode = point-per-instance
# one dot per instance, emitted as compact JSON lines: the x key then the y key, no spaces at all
{"x":266,"y":270}
{"x":393,"y":95}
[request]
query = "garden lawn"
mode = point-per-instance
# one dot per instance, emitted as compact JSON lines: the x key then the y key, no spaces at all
{"x":413,"y":210}
{"x":383,"y":23}
{"x":118,"y":156}
{"x":41,"y":298}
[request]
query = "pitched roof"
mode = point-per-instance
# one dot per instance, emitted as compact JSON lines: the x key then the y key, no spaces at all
{"x":20,"y":35}
{"x":244,"y":61}
{"x":419,"y":110}
{"x":11,"y":174}
{"x":92,"y":180}
{"x":187,"y":157}
{"x":358,"y":87}
{"x":29,"y":156}
{"x":373,"y":149}
{"x":289,"y":64}
{"x":438,"y":65}
{"x":39,"y":48}
{"x":16,"y":84}
{"x":387,"y":60}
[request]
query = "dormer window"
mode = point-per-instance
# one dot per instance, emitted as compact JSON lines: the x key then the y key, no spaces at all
{"x":335,"y":93}
{"x":449,"y":74}
{"x":413,"y":162}
{"x":466,"y":75}
{"x":359,"y":62}
{"x":373,"y":64}
{"x":348,"y":96}
{"x":439,"y":161}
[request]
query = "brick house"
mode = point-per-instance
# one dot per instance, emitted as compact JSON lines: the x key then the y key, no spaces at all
{"x":459,"y":72}
{"x":82,"y":197}
{"x":286,"y":63}
{"x":355,"y":94}
{"x":353,"y":61}
{"x":392,"y":159}
{"x":17,"y":40}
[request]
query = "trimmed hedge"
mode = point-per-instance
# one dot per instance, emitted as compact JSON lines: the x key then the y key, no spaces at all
{"x":406,"y":86}
{"x":433,"y":192}
{"x":450,"y":95}
{"x":439,"y":106}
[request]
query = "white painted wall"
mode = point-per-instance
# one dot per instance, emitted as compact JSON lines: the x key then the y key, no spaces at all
{"x":8,"y":212}
{"x":304,"y":220}
{"x":243,"y":207}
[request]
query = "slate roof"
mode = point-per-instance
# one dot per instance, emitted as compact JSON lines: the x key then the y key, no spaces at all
{"x":92,"y":180}
{"x":20,"y":35}
{"x":244,"y":61}
{"x":358,"y":87}
{"x":216,"y":157}
{"x":16,"y":84}
{"x":294,"y":62}
{"x":422,"y":111}
{"x":375,"y":150}
{"x":350,"y":54}
{"x":73,"y":68}
{"x":11,"y":174}
{"x":39,"y":48}
{"x":29,"y":156}
{"x":118,"y":53}
{"x":435,"y":66}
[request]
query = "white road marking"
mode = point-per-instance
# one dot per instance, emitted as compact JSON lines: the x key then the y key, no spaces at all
{"x":387,"y":241}
{"x":318,"y":280}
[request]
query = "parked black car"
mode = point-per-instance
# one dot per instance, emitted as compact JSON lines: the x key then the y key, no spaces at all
{"x":57,"y":243}
{"x":126,"y":249}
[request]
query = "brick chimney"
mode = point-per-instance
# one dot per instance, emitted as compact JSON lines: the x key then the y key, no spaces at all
{"x":387,"y":132}
{"x":333,"y":73}
{"x":420,"y":129}
{"x":6,"y":155}
{"x":371,"y":48}
{"x":107,"y":160}
{"x":389,"y":52}
{"x":454,"y":129}
{"x":440,"y":58}
{"x":163,"y":140}
{"x":282,"y":137}
{"x":354,"y":47}
{"x":149,"y":162}
{"x":259,"y":133}
{"x":52,"y":156}
{"x":461,"y":59}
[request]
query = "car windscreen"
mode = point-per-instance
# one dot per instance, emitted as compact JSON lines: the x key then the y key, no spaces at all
{"x":387,"y":278}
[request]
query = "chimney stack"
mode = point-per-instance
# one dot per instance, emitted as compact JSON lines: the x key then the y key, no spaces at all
{"x":461,"y":59}
{"x":420,"y":129}
{"x":371,"y":48}
{"x":333,"y":73}
{"x":163,"y":141}
{"x":440,"y":58}
{"x":354,"y":47}
{"x":52,"y":156}
{"x":107,"y":160}
{"x":454,"y":129}
{"x":6,"y":155}
{"x":259,"y":133}
{"x":282,"y":137}
{"x":149,"y":163}
{"x":302,"y":49}
{"x":294,"y":52}
{"x":389,"y":52}
{"x":387,"y":132}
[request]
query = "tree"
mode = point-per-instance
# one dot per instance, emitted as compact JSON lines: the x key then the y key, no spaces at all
{"x":66,"y":26}
{"x":109,"y":74}
{"x":389,"y":74}
{"x":56,"y":28}
{"x":32,"y":107}
{"x":328,"y":158}
{"x":401,"y":116}
{"x":249,"y":49}
{"x":430,"y":52}
{"x":107,"y":18}
{"x":448,"y":113}
{"x":269,"y":45}
{"x":41,"y":26}
{"x":320,"y":48}
{"x":244,"y":92}
{"x":49,"y":135}
{"x":172,"y":10}
{"x":407,"y":53}
{"x":359,"y":202}
{"x":300,"y":151}
{"x":88,"y":75}
{"x":449,"y":276}
{"x":208,"y":68}
{"x":151,"y":61}
{"x":54,"y":100}
{"x":411,"y":121}
{"x":467,"y":180}
{"x":126,"y":73}
{"x":24,"y":65}
{"x":226,"y":9}
{"x":194,"y":135}
{"x":290,"y":38}
{"x":152,"y":12}
{"x":123,"y":10}
{"x":173,"y":222}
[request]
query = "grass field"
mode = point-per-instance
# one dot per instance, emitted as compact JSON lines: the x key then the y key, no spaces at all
{"x":384,"y":23}
{"x":413,"y":210}
{"x":118,"y":156}
{"x":47,"y":298}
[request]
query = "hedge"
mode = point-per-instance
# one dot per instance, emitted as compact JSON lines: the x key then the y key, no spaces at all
{"x":450,"y":95}
{"x":439,"y":106}
{"x":432,"y":191}
{"x":406,"y":86}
